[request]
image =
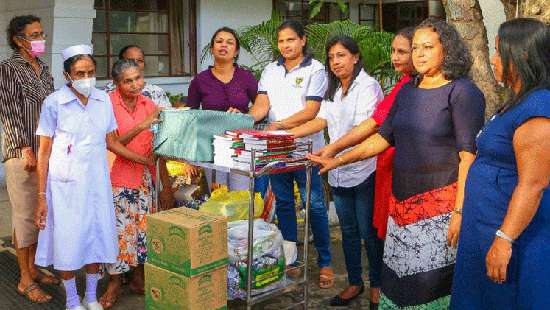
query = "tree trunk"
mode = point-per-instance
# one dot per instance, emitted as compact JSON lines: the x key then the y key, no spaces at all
{"x":539,"y":9}
{"x":466,"y":16}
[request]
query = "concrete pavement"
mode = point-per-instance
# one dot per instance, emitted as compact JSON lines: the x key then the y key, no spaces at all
{"x":318,"y":298}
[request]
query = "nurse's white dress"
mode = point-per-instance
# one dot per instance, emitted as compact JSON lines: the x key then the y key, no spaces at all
{"x":80,"y":226}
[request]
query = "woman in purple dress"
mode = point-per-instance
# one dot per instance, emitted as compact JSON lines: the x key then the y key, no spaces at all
{"x":223,"y":87}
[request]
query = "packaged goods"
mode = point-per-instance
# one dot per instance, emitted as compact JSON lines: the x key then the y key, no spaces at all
{"x":186,"y":241}
{"x":166,"y":290}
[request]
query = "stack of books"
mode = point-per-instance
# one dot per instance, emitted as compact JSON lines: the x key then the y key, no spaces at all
{"x":234,"y":149}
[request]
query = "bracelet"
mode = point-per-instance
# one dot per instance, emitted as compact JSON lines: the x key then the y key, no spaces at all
{"x":42,"y":193}
{"x":281,"y":124}
{"x":340,"y":160}
{"x":457,"y":211}
{"x":499,"y":233}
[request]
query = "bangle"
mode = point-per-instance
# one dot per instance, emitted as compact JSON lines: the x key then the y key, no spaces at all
{"x":340,"y":160}
{"x":499,"y":233}
{"x":281,"y":126}
{"x":42,"y":193}
{"x":457,"y":211}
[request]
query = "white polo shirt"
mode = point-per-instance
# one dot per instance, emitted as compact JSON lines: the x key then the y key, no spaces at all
{"x":288,"y":91}
{"x":342,"y":115}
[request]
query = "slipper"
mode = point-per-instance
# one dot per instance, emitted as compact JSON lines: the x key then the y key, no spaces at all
{"x":294,"y":270}
{"x":43,"y":278}
{"x":326,"y":277}
{"x":27,"y":293}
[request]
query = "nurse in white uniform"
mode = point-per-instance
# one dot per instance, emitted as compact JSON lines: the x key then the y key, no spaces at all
{"x":75,"y":205}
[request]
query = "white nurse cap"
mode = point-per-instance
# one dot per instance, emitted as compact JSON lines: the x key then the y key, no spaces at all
{"x":74,"y":50}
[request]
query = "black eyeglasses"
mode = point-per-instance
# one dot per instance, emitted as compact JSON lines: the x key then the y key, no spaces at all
{"x":34,"y":36}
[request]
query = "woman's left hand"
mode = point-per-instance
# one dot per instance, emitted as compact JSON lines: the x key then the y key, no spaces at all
{"x":497,"y":260}
{"x":234,"y":110}
{"x":454,"y":229}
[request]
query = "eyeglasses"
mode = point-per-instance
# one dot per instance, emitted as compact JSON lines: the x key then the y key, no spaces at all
{"x":34,"y":36}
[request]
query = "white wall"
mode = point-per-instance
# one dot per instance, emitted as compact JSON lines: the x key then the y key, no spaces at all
{"x":493,"y":16}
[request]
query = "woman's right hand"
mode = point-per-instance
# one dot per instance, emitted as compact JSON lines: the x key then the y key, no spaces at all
{"x":151,"y":119}
{"x":41,"y":213}
{"x":326,"y":151}
{"x":327,"y":164}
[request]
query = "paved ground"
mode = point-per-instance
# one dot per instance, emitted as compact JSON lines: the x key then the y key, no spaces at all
{"x":318,"y":298}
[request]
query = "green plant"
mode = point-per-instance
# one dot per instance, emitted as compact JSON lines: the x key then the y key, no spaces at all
{"x":317,"y":5}
{"x":260,"y":41}
{"x":375,"y":47}
{"x":174,"y":98}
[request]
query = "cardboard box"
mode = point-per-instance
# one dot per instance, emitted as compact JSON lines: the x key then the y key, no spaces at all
{"x":186,"y":241}
{"x":165,"y":290}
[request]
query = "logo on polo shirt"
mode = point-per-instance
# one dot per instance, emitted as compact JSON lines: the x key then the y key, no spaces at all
{"x":298,"y":82}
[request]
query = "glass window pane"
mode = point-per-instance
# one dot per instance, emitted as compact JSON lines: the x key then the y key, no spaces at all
{"x":99,"y":21}
{"x":157,"y":66}
{"x":99,"y":4}
{"x":102,"y":67}
{"x":99,"y":42}
{"x":138,"y":22}
{"x":150,"y":43}
{"x":145,"y":5}
{"x":367,"y":11}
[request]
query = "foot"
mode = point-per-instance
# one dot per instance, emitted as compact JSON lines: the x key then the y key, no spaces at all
{"x":42,"y":278}
{"x":110,"y":296}
{"x":294,"y":270}
{"x":326,"y":277}
{"x":347,"y":296}
{"x":92,"y":306}
{"x":33,"y":292}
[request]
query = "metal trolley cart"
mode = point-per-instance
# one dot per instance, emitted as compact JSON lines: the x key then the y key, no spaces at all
{"x":282,"y":166}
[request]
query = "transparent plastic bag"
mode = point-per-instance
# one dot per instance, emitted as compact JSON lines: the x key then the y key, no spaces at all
{"x":268,"y":267}
{"x":233,"y":205}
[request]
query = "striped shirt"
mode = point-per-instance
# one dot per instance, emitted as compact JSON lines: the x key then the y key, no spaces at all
{"x":21,"y":95}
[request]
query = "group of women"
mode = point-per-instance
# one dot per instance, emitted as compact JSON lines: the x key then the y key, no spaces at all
{"x":438,"y":180}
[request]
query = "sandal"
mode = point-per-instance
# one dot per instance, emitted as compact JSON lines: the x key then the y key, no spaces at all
{"x":294,"y":270}
{"x":27,"y":293}
{"x":326,"y":277}
{"x":338,"y":301}
{"x":43,"y":278}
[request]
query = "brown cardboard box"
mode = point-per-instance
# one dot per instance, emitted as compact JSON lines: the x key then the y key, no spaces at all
{"x":165,"y":290}
{"x":186,"y":241}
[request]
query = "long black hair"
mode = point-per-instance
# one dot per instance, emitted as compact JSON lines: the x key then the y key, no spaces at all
{"x":349,"y":44}
{"x":524,"y":43}
{"x":298,"y":28}
{"x":233,"y":33}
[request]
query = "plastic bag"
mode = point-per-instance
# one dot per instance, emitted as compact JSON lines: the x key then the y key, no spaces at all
{"x":233,"y":205}
{"x":268,"y":267}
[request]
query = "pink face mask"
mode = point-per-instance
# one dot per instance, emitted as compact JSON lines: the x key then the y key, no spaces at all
{"x":38,"y":48}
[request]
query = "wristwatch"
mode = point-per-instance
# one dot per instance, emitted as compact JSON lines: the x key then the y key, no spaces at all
{"x":499,"y":233}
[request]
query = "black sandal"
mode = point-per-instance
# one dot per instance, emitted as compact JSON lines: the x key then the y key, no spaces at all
{"x":338,"y":301}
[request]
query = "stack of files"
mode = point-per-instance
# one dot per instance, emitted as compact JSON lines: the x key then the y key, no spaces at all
{"x":223,"y":150}
{"x":269,"y":146}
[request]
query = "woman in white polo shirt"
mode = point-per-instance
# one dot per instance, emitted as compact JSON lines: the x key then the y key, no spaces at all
{"x":289,"y":94}
{"x":351,"y":98}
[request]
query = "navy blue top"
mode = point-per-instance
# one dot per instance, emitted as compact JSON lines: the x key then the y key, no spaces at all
{"x":428,"y":127}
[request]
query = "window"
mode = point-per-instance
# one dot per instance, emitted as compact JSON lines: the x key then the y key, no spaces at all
{"x":400,"y":15}
{"x":164,"y":29}
{"x":299,"y":10}
{"x":368,"y":15}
